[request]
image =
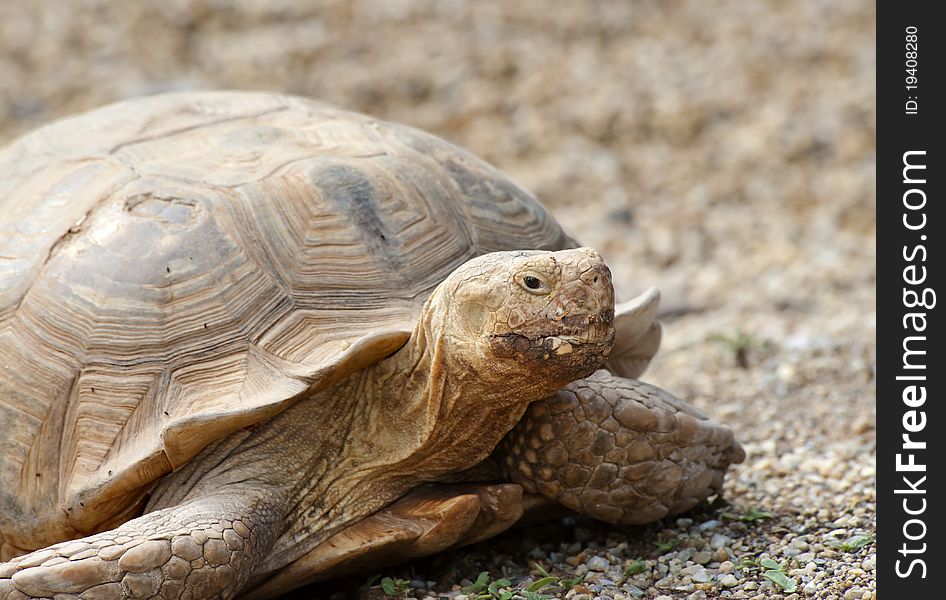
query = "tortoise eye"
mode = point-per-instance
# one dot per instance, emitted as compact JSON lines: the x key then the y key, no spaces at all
{"x":533,"y":283}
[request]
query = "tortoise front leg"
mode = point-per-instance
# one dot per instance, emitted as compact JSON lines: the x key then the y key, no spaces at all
{"x":618,"y":450}
{"x":205,"y":548}
{"x":425,"y":521}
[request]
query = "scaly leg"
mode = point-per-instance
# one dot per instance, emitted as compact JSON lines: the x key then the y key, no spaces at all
{"x":427,"y":520}
{"x":205,"y":548}
{"x":618,"y":450}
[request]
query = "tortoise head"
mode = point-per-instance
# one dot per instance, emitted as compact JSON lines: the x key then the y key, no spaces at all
{"x":544,"y":318}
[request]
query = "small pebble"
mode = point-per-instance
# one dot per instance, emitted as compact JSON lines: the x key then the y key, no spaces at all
{"x":708,"y":525}
{"x":805,"y":557}
{"x":598,"y":563}
{"x":720,"y":541}
{"x":702,"y":557}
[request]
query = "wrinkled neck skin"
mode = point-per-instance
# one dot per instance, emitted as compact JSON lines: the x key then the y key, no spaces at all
{"x":426,"y":411}
{"x":349,"y":450}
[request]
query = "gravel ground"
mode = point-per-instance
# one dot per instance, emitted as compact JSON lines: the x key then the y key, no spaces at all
{"x":723,"y":151}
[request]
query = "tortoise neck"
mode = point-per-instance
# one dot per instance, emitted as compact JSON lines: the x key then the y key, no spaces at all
{"x":440,"y":413}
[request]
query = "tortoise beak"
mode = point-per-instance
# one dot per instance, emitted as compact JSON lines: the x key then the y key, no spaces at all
{"x":584,"y":308}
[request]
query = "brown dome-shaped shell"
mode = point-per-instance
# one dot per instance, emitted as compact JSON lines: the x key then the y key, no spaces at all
{"x":177,"y":267}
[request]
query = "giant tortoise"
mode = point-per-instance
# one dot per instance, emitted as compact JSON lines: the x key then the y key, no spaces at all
{"x":249,"y":341}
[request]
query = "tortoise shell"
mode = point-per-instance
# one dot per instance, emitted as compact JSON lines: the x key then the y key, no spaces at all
{"x":177,"y":267}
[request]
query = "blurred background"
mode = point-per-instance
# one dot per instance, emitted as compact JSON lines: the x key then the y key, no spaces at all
{"x":722,"y":151}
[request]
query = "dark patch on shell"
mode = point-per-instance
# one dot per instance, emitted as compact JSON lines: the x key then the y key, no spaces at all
{"x":354,"y":194}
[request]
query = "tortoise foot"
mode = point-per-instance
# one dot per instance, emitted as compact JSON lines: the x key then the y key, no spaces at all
{"x":174,"y":553}
{"x":618,"y":450}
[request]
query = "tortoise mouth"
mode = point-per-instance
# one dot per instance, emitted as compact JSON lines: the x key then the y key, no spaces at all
{"x":586,"y":327}
{"x":561,"y":358}
{"x":560,"y":345}
{"x":581,"y":331}
{"x":578,"y":339}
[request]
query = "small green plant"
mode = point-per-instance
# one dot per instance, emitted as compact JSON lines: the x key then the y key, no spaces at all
{"x":527,"y":595}
{"x":570,"y":583}
{"x":481,"y":583}
{"x":852,"y":544}
{"x":788,"y":584}
{"x":738,"y":344}
{"x":667,"y":546}
{"x":495,"y":589}
{"x":539,"y":585}
{"x":396,"y":588}
{"x":774,"y":572}
{"x":770,"y":565}
{"x":634,"y":567}
{"x":750,"y":516}
{"x":502,"y":589}
{"x":483,"y":589}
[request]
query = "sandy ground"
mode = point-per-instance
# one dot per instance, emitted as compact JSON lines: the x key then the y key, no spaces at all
{"x":723,"y":151}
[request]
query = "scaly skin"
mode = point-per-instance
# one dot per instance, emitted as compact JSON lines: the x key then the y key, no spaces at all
{"x":201,"y":549}
{"x":618,"y":450}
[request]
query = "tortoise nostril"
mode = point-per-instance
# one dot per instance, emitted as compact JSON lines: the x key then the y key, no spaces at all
{"x":596,"y":279}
